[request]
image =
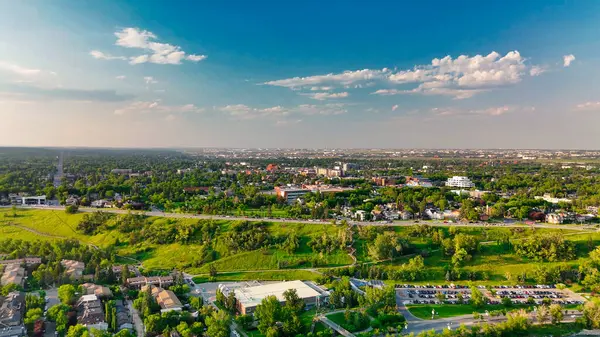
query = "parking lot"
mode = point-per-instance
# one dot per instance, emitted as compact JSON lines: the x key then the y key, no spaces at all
{"x":429,"y":294}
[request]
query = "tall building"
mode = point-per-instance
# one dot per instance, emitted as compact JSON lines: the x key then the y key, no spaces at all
{"x":459,"y":181}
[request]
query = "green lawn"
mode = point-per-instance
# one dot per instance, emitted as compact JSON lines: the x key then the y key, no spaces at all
{"x":339,"y":318}
{"x":423,"y":311}
{"x":277,"y":275}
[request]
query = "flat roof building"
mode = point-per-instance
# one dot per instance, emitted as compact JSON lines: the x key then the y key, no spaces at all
{"x":458,"y":181}
{"x":248,"y":298}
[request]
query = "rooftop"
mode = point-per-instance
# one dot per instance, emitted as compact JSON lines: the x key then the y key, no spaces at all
{"x":252,"y":296}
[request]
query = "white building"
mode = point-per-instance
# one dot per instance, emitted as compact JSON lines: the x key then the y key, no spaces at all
{"x":459,"y":181}
{"x":248,"y":298}
{"x":36,"y":200}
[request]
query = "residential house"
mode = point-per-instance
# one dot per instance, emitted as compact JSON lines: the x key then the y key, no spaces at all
{"x":158,"y":281}
{"x":12,"y":309}
{"x":73,"y":269}
{"x":13,"y":273}
{"x":166,"y":299}
{"x":90,"y":312}
{"x":98,"y":290}
{"x":123,"y":316}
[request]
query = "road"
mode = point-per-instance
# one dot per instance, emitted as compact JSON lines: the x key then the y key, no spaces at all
{"x":137,"y":321}
{"x":59,"y":170}
{"x":435,"y":223}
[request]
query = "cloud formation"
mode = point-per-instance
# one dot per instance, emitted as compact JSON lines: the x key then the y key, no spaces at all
{"x":568,"y":59}
{"x":64,"y":94}
{"x":18,"y":70}
{"x":344,"y":78}
{"x":321,"y":96}
{"x":588,"y":106}
{"x":492,"y":111}
{"x":154,"y":52}
{"x":244,"y":112}
{"x":141,"y":107}
{"x":150,"y":80}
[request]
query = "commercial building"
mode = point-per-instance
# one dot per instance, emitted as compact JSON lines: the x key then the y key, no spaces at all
{"x":459,"y":181}
{"x":418,"y":182}
{"x":290,"y":194}
{"x":34,"y":200}
{"x":248,"y":298}
{"x":331,"y":173}
{"x":90,"y":313}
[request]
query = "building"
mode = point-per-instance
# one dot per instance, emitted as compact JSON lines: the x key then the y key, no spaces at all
{"x":73,"y":269}
{"x":121,"y":171}
{"x":100,"y":203}
{"x":34,"y":200}
{"x":98,"y":290}
{"x":118,"y":269}
{"x":13,"y":331}
{"x":350,"y":166}
{"x":418,"y":182}
{"x":123,"y":316}
{"x":331,"y":173}
{"x":158,"y":281}
{"x":28,"y":261}
{"x":290,"y":194}
{"x":166,"y":299}
{"x":90,"y":313}
{"x":248,"y":298}
{"x":459,"y":181}
{"x":13,"y":273}
{"x":360,"y":215}
{"x":384,"y":181}
{"x":547,"y":197}
{"x":12,"y":309}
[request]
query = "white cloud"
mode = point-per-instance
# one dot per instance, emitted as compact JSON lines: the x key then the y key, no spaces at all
{"x":121,"y":77}
{"x":156,"y":107}
{"x":588,"y":106}
{"x":344,"y":78}
{"x":536,"y":71}
{"x":492,"y":111}
{"x":156,"y":52}
{"x":568,"y":59}
{"x":170,"y":118}
{"x":150,"y":80}
{"x":394,"y":107}
{"x":285,"y":122}
{"x":16,"y":69}
{"x":423,"y":89}
{"x":321,"y":88}
{"x":326,"y":95}
{"x":103,"y":56}
{"x":242,"y":111}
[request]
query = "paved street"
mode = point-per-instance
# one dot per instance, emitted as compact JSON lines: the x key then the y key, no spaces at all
{"x":137,"y":321}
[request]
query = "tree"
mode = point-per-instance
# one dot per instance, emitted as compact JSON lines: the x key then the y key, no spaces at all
{"x":387,"y":246}
{"x":217,"y":324}
{"x":66,"y":294}
{"x":33,"y":315}
{"x":268,"y":313}
{"x":591,"y":314}
{"x":212,"y":270}
{"x":507,"y":302}
{"x":556,"y":313}
{"x":293,"y":301}
{"x":71,"y":209}
{"x":460,"y":256}
{"x":78,"y":331}
{"x":477,"y":298}
{"x":245,"y":321}
{"x":542,"y":314}
{"x":196,"y":302}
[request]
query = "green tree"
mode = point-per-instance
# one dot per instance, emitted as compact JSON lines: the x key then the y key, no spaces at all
{"x":217,"y":324}
{"x":556,"y":313}
{"x":66,"y":294}
{"x":293,"y":301}
{"x":477,"y":298}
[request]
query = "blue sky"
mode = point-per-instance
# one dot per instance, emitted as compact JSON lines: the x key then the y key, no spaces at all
{"x":494,"y":74}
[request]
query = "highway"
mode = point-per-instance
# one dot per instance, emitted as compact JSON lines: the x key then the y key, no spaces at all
{"x":403,"y":223}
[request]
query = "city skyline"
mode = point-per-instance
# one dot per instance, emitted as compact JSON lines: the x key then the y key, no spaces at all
{"x":299,"y":75}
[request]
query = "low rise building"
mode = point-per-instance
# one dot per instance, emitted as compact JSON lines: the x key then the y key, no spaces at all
{"x":28,"y":261}
{"x":34,"y":200}
{"x":158,"y":281}
{"x":90,"y":313}
{"x":248,"y":298}
{"x":98,"y":290}
{"x":73,"y":269}
{"x":12,"y":309}
{"x":460,"y":181}
{"x":418,"y":182}
{"x":123,"y":316}
{"x":13,"y":273}
{"x":166,"y":299}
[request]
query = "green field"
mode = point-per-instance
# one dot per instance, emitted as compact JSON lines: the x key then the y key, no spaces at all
{"x":274,"y":264}
{"x":423,"y":311}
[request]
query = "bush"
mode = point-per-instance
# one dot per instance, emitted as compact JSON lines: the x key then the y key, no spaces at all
{"x":71,"y":209}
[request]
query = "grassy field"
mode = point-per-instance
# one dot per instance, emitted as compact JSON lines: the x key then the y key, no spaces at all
{"x":423,"y":311}
{"x":276,"y":275}
{"x":274,"y":264}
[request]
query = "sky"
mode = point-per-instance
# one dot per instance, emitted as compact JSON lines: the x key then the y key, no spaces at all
{"x":302,"y":74}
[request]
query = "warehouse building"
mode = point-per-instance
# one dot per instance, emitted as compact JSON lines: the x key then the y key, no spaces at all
{"x":248,"y":298}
